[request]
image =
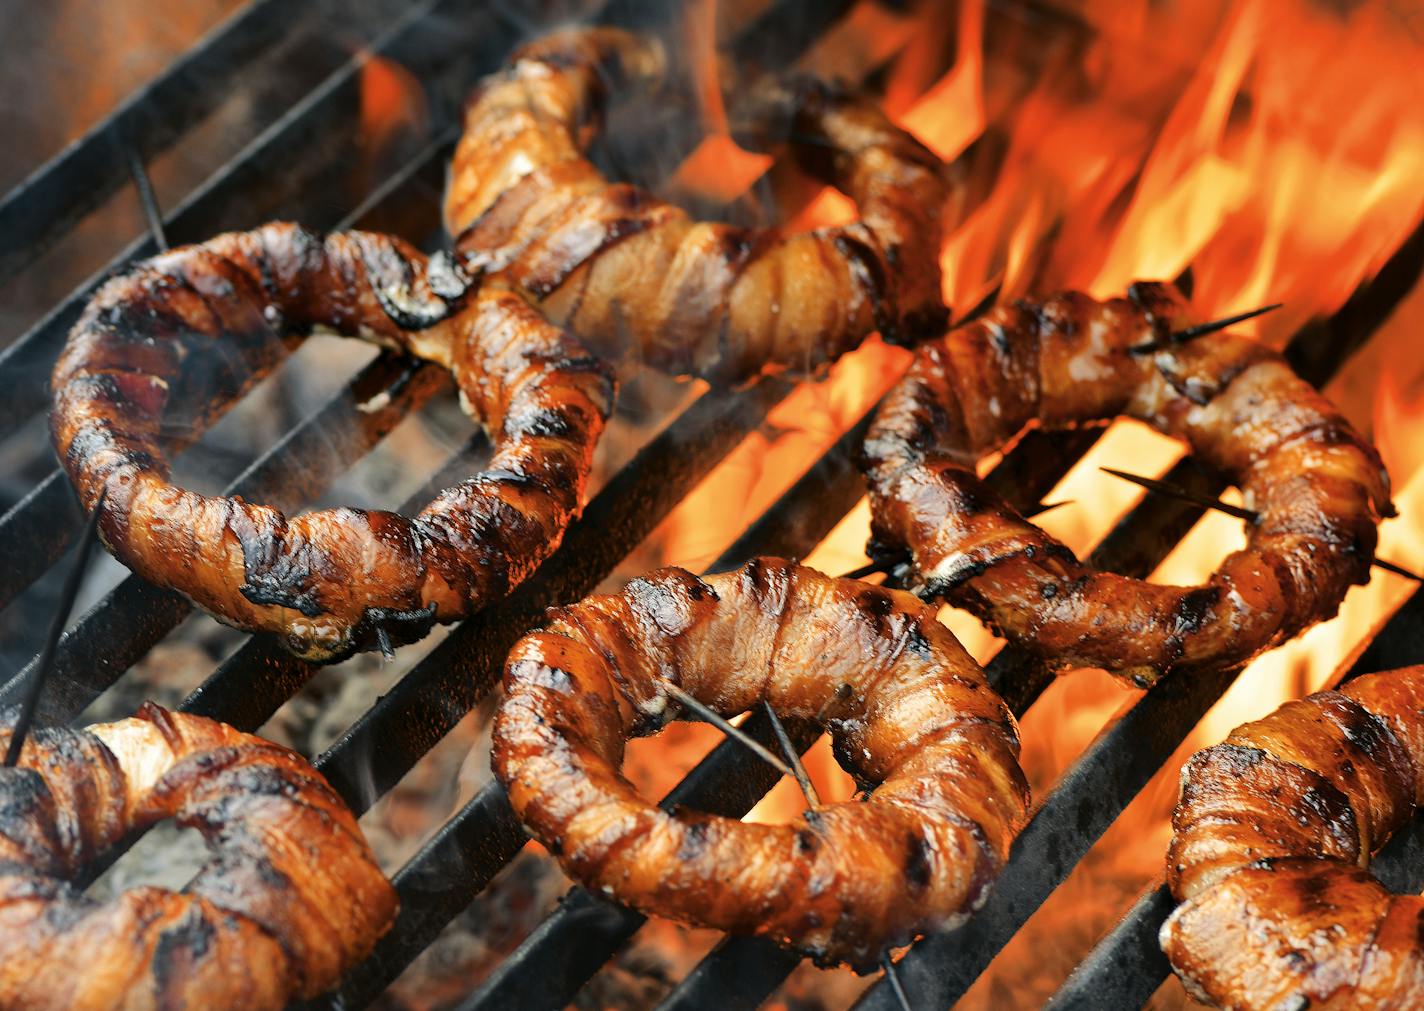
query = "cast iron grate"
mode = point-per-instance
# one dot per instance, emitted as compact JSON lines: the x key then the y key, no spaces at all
{"x":447,"y":46}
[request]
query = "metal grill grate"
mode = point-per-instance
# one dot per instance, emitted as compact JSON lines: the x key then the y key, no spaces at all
{"x":447,"y":47}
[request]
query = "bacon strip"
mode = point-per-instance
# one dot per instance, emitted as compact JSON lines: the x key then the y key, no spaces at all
{"x":1273,"y":835}
{"x":637,"y":278}
{"x":1318,"y":486}
{"x":840,"y":884}
{"x":177,"y":328}
{"x":292,"y":900}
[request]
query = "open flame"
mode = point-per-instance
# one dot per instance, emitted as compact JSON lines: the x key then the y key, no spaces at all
{"x":1270,"y":147}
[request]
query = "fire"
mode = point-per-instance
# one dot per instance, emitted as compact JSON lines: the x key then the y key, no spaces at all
{"x":1272,"y":148}
{"x":393,"y":113}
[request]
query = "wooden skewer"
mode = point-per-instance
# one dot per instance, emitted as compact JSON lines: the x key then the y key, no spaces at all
{"x":67,"y":596}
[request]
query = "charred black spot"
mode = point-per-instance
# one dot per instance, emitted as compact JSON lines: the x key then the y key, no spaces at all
{"x":917,"y":863}
{"x":274,"y":591}
{"x":401,"y":627}
{"x":807,"y":842}
{"x":1193,"y":609}
{"x":734,"y":245}
{"x":865,"y":264}
{"x":915,"y":641}
{"x":179,"y":947}
{"x":516,"y":478}
{"x":694,"y":841}
{"x":1366,"y":731}
{"x":699,"y":590}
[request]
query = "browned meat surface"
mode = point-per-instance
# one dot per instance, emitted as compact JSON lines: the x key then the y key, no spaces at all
{"x":1273,"y":833}
{"x":636,"y":278}
{"x":1318,"y":487}
{"x":175,"y":330}
{"x":907,"y":709}
{"x":292,"y":899}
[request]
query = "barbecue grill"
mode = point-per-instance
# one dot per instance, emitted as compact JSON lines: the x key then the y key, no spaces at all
{"x":284,"y":172}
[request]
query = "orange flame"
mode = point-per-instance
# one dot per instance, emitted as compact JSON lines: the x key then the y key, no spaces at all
{"x":1273,"y":148}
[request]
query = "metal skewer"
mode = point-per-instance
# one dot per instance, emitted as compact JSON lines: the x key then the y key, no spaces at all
{"x":798,"y":768}
{"x":1205,"y":501}
{"x":148,"y":199}
{"x":717,"y":720}
{"x":891,"y":561}
{"x":1191,"y":333}
{"x":67,"y":596}
{"x":1240,"y":512}
{"x":888,"y":964}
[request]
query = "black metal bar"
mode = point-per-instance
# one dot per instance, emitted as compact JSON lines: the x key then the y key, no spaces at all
{"x":38,"y":528}
{"x":442,"y":44}
{"x":130,"y":619}
{"x":381,"y":747}
{"x":740,"y":972}
{"x":1126,"y":967}
{"x":53,"y":198}
{"x":1135,"y":546}
{"x":542,"y":971}
{"x":1125,"y":755}
{"x":391,"y":737}
{"x":251,"y":684}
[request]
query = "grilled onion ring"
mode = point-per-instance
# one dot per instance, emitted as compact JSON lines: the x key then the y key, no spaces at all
{"x":1273,"y":835}
{"x":177,"y":327}
{"x":634,"y":276}
{"x":291,"y":901}
{"x":840,"y":885}
{"x":1318,"y":487}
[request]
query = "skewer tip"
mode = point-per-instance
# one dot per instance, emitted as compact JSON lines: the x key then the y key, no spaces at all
{"x":1191,"y":333}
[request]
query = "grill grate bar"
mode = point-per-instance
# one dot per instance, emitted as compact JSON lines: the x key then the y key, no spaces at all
{"x":738,"y":975}
{"x":57,"y":195}
{"x":552,"y":963}
{"x":1126,"y":967}
{"x":539,"y":972}
{"x":301,"y":151}
{"x":1120,"y":761}
{"x":134,"y":616}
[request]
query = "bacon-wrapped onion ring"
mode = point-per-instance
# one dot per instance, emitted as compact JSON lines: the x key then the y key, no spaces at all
{"x":328,"y":582}
{"x":1319,"y":489}
{"x":1273,"y":835}
{"x":611,"y":261}
{"x":292,"y":900}
{"x":841,"y":884}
